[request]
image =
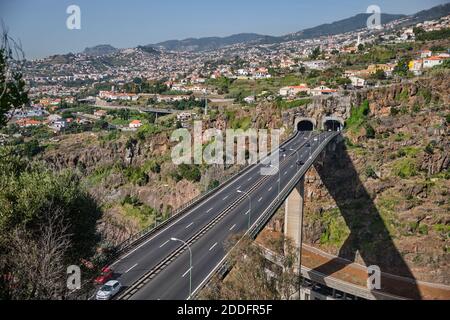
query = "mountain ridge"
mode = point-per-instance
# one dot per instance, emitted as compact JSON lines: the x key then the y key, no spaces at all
{"x":350,"y":24}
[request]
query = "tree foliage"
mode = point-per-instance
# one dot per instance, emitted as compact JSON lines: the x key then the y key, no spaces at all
{"x":12,"y":86}
{"x":32,"y":200}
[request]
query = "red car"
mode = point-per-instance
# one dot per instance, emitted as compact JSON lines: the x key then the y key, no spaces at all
{"x":106,"y":275}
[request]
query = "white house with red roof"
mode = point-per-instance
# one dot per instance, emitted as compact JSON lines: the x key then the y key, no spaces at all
{"x":433,"y":61}
{"x":294,"y":90}
{"x":135,"y":124}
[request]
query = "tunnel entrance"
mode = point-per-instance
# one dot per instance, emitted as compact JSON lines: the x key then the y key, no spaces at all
{"x":305,"y":125}
{"x":333,"y":125}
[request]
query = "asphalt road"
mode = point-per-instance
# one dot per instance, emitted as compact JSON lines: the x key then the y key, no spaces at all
{"x":173,"y":282}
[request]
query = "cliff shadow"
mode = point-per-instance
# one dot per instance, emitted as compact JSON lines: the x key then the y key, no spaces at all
{"x":369,"y":235}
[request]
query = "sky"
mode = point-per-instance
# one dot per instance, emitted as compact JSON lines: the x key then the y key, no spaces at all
{"x":40,"y":25}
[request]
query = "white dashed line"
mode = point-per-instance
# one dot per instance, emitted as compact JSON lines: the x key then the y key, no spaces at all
{"x":209,"y":210}
{"x":190,"y":225}
{"x":184,"y":275}
{"x":225,"y":198}
{"x":270,"y":189}
{"x":260,"y":199}
{"x":131,"y":268}
{"x":231,"y":229}
{"x":164,"y":243}
{"x":215,"y":244}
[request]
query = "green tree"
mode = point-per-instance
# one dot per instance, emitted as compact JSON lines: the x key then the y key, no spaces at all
{"x":402,"y":68}
{"x":315,"y":53}
{"x":47,"y":222}
{"x":12,"y":86}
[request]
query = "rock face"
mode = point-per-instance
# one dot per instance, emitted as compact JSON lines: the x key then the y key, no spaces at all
{"x":385,"y":200}
{"x":382,"y":100}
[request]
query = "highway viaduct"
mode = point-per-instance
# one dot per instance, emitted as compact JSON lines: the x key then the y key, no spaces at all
{"x":178,"y":258}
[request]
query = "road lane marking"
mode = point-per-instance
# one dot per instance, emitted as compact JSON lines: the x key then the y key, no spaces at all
{"x":131,"y":268}
{"x":184,"y":275}
{"x":164,"y":243}
{"x":239,"y":188}
{"x":260,"y":199}
{"x":225,"y":198}
{"x":249,"y":179}
{"x":209,"y":210}
{"x":177,"y":221}
{"x":285,"y":173}
{"x":231,"y":229}
{"x":215,"y":244}
{"x":190,"y":225}
{"x":270,"y":189}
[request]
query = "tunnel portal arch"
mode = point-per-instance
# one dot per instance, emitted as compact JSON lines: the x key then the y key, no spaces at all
{"x":305,"y":124}
{"x":333,"y":124}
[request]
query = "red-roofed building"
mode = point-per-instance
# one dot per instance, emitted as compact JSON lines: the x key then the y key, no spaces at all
{"x":135,"y":124}
{"x":26,"y":123}
{"x":433,"y":61}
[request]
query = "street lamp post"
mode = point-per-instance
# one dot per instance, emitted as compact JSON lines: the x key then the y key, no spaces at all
{"x":250,"y":209}
{"x":190,"y":263}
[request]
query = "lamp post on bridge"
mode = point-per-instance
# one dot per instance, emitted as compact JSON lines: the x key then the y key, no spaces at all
{"x":190,"y":263}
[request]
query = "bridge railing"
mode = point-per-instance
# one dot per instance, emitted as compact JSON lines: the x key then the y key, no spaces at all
{"x":146,"y":233}
{"x":223,"y":267}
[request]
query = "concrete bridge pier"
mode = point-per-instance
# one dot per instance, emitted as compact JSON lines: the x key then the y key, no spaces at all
{"x":293,"y":220}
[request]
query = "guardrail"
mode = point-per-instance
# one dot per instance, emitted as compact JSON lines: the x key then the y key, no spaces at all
{"x":143,"y":235}
{"x":167,"y":260}
{"x":146,"y":233}
{"x":223,"y":267}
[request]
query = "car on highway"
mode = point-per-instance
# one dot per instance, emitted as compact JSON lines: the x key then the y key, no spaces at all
{"x":308,"y":145}
{"x":300,"y":163}
{"x":109,"y":290}
{"x":106,"y":275}
{"x":282,"y":149}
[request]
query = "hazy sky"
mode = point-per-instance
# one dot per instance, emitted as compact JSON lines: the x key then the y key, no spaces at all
{"x":41,"y":24}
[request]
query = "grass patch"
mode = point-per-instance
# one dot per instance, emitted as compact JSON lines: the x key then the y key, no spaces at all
{"x":336,"y":230}
{"x":405,"y":168}
{"x":358,"y":116}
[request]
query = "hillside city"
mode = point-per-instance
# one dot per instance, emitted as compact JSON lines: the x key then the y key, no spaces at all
{"x":89,"y":184}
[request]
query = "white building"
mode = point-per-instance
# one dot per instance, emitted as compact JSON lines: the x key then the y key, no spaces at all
{"x":294,"y":90}
{"x":135,"y":124}
{"x":250,"y":99}
{"x":358,"y":82}
{"x":433,"y":62}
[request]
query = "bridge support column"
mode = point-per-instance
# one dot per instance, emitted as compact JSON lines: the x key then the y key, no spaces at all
{"x":293,"y":219}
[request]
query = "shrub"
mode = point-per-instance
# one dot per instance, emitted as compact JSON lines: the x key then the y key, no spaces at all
{"x":405,"y":168}
{"x":358,"y":116}
{"x":370,"y":132}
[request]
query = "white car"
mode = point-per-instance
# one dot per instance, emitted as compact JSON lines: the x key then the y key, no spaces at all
{"x":109,"y":290}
